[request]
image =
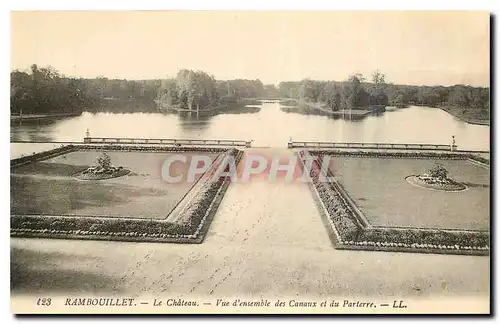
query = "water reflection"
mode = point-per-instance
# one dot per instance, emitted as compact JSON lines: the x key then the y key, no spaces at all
{"x":268,"y":125}
{"x":347,"y":116}
{"x":125,"y":106}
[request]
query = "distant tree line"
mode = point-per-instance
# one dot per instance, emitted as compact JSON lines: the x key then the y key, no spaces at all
{"x":355,"y":93}
{"x":351,"y":94}
{"x":45,"y":90}
{"x":458,"y":96}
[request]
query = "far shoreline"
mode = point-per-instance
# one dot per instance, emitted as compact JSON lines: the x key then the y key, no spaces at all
{"x":245,"y":105}
{"x":472,"y":121}
{"x":449,"y":110}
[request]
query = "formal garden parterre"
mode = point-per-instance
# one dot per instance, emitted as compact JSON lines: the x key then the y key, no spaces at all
{"x":197,"y":202}
{"x":351,"y":228}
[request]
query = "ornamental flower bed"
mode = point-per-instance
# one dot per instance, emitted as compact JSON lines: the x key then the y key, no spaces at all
{"x":199,"y":216}
{"x":422,"y":181}
{"x":338,"y":210}
{"x":349,"y":231}
{"x":108,"y":174}
{"x":103,"y":169}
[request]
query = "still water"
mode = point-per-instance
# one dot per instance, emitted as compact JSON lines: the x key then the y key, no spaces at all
{"x":268,"y":127}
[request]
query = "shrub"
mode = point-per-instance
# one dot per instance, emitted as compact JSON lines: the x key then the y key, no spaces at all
{"x":439,"y":172}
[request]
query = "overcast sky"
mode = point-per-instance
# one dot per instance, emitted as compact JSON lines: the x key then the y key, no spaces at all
{"x":410,"y":48}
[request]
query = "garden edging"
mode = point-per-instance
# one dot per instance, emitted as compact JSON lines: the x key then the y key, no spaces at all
{"x":143,"y":230}
{"x":390,"y":239}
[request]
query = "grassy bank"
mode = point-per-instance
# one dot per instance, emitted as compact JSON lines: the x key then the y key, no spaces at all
{"x":469,"y":116}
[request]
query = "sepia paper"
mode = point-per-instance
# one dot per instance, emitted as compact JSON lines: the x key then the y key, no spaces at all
{"x":183,"y":162}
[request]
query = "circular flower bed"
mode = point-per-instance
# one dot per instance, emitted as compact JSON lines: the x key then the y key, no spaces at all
{"x":113,"y":172}
{"x":448,"y":185}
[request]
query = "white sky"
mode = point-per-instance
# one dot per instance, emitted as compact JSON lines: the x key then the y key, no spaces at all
{"x":409,"y":47}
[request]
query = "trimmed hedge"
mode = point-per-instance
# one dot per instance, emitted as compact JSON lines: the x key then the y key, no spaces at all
{"x":339,"y":211}
{"x":351,"y":233}
{"x":479,"y":159}
{"x":452,"y":238}
{"x":82,"y":225}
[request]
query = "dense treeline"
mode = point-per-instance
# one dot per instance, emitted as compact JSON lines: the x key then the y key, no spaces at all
{"x":45,"y":90}
{"x":459,"y":96}
{"x":350,"y":94}
{"x":113,"y":89}
{"x":196,"y":90}
{"x":357,"y":94}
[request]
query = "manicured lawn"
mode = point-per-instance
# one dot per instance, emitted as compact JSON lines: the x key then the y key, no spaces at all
{"x":48,"y":187}
{"x":379,"y":189}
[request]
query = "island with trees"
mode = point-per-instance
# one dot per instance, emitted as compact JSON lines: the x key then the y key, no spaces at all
{"x":197,"y":91}
{"x":353,"y":97}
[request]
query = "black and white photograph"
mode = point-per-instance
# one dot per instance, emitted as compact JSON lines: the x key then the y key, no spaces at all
{"x":250,"y":162}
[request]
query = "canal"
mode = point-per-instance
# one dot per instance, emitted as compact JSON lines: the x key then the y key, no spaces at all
{"x":270,"y":126}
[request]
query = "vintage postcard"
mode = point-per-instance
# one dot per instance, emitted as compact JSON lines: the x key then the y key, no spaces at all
{"x":229,"y":162}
